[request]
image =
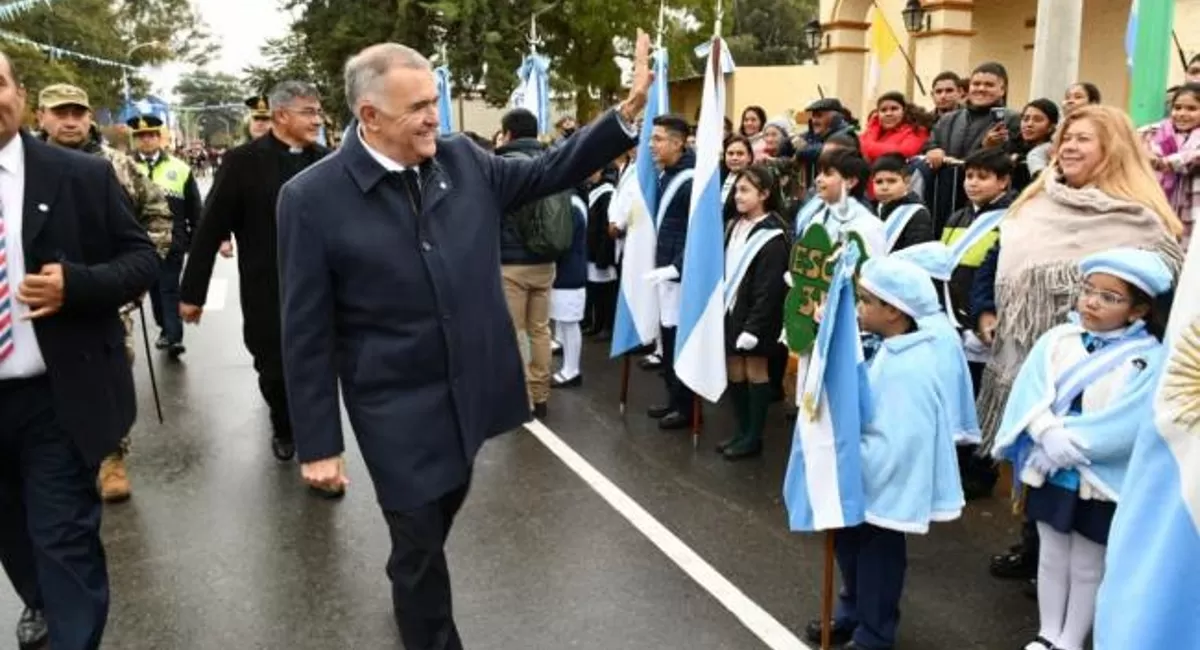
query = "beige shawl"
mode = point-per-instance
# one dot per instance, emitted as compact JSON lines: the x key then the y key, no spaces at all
{"x":1038,"y":272}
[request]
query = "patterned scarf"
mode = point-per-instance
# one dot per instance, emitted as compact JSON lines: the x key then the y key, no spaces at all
{"x":1038,"y":273}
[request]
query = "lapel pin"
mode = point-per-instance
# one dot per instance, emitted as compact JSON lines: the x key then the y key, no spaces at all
{"x":42,"y":207}
{"x":442,"y":185}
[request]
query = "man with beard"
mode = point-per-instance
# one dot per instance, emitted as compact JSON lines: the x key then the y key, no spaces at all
{"x":242,"y":201}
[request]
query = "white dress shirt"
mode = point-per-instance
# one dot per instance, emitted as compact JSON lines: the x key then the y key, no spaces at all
{"x":26,"y":358}
{"x":387,"y":163}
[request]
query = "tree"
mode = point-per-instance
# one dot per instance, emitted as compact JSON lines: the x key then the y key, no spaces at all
{"x":105,"y":30}
{"x":215,"y":92}
{"x":770,"y":32}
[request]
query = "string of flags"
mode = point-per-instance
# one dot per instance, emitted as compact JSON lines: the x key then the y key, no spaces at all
{"x":59,"y":52}
{"x":14,"y":9}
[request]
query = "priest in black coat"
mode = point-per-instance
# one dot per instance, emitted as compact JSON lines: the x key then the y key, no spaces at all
{"x":242,"y":202}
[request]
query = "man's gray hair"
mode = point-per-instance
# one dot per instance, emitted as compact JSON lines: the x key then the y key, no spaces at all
{"x":364,"y":70}
{"x":286,"y":92}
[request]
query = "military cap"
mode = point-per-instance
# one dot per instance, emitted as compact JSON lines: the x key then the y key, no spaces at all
{"x":259,"y":106}
{"x":63,"y":95}
{"x":144,"y":124}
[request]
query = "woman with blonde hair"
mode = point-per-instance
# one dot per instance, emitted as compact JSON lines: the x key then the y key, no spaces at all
{"x":1099,"y":193}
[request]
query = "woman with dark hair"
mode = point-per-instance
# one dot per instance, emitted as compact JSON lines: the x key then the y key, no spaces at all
{"x":1083,"y":93}
{"x":895,"y":127}
{"x":739,"y":154}
{"x":756,"y":257}
{"x":754,"y":119}
{"x":1031,"y":150}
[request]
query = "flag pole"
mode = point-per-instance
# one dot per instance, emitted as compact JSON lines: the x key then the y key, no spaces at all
{"x":827,"y":593}
{"x":624,"y":381}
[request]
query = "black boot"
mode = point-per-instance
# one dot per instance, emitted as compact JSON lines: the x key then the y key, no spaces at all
{"x":739,"y":393}
{"x":750,"y":445}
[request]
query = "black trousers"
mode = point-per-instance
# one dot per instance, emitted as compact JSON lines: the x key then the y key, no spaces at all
{"x":873,"y":562}
{"x":420,"y":576}
{"x":268,"y":363}
{"x":50,"y":518}
{"x":601,"y":308}
{"x":164,"y":298}
{"x":680,"y":397}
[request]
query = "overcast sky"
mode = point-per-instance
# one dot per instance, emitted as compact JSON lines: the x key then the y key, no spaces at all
{"x":240,"y":26}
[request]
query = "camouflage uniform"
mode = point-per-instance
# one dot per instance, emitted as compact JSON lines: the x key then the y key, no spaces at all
{"x":151,"y":210}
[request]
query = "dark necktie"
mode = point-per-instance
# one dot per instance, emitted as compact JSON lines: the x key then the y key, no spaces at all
{"x":412,"y":182}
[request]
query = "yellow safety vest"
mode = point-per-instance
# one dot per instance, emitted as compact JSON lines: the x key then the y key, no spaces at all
{"x":170,"y":175}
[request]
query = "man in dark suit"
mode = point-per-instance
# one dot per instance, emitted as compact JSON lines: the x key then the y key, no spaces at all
{"x":242,"y":202}
{"x":390,"y":271}
{"x":71,"y":254}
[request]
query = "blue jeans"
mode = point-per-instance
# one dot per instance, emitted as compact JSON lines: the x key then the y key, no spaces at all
{"x":164,"y":298}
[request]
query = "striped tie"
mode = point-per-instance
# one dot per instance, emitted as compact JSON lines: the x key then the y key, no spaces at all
{"x":6,"y":308}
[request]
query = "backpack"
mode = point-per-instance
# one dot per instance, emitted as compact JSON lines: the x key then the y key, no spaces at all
{"x":545,"y":226}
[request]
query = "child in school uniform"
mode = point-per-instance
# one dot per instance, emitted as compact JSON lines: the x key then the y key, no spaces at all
{"x":905,"y":218}
{"x":1069,"y":429}
{"x":756,"y":256}
{"x":569,"y":297}
{"x":840,"y":204}
{"x":907,"y":452}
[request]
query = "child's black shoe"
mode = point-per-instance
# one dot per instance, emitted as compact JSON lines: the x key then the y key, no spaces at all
{"x":839,"y":636}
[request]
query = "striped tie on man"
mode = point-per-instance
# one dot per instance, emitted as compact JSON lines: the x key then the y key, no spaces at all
{"x":6,"y":309}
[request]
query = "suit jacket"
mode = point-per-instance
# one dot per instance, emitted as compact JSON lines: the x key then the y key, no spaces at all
{"x":405,"y":305}
{"x":78,"y":215}
{"x":242,"y":202}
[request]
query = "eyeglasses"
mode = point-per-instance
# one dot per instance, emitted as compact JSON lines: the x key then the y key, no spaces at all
{"x":309,"y":113}
{"x":1106,"y":298}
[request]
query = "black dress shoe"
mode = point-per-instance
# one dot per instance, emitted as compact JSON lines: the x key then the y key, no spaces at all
{"x":175,"y":350}
{"x":650,"y":362}
{"x":839,"y":635}
{"x":32,"y":631}
{"x":162,"y":343}
{"x":659,"y":411}
{"x":1013,"y":566}
{"x":743,"y":451}
{"x":331,"y":495}
{"x":284,"y":450}
{"x":674,"y":421}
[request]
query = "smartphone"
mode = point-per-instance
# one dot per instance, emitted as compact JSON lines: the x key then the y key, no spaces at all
{"x":999,"y":115}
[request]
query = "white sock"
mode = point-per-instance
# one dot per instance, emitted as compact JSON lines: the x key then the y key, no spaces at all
{"x":1054,"y":571}
{"x":1087,"y":569}
{"x":572,"y":340}
{"x":555,"y":335}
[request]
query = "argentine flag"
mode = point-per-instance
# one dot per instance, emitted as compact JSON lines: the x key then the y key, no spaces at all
{"x":533,"y":89}
{"x":823,"y":487}
{"x":1150,"y":596}
{"x":700,"y":347}
{"x":637,"y":303}
{"x":442,"y":75}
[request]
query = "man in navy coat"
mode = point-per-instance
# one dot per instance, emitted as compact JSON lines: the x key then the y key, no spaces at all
{"x":389,"y":262}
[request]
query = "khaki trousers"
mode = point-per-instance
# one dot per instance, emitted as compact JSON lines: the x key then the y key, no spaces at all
{"x":527,"y":291}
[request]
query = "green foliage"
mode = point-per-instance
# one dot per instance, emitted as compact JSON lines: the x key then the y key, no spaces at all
{"x":202,"y":88}
{"x":770,"y":32}
{"x":107,"y":30}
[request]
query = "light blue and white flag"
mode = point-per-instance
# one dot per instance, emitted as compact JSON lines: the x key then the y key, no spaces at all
{"x":1131,"y":30}
{"x":442,"y":75}
{"x":700,"y":347}
{"x":823,"y":488}
{"x":533,"y":90}
{"x":637,"y":303}
{"x":727,"y":64}
{"x":1151,"y":580}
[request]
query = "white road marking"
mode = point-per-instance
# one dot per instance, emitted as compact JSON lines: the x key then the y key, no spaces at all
{"x":755,"y":618}
{"x":218,"y":292}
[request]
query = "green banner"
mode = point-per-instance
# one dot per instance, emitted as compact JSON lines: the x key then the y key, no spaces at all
{"x":1151,"y":60}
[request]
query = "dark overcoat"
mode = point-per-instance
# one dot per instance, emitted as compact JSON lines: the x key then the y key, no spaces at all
{"x":404,"y":305}
{"x":76,"y":214}
{"x":242,"y":201}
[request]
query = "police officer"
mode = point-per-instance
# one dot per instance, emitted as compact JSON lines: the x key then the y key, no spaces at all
{"x":174,"y":177}
{"x":260,"y":116}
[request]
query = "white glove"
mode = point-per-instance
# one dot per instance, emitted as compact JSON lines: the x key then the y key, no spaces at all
{"x":661,"y":275}
{"x":787,"y":279}
{"x":1064,"y":448}
{"x":746,"y":341}
{"x":1037,"y":467}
